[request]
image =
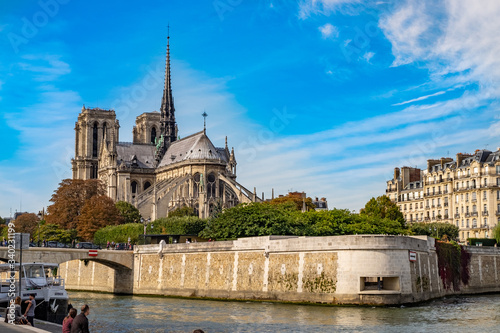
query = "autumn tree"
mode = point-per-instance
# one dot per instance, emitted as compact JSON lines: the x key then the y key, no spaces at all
{"x":27,"y":223}
{"x":69,"y":200}
{"x":296,"y":198}
{"x":128,"y":212}
{"x":97,"y":212}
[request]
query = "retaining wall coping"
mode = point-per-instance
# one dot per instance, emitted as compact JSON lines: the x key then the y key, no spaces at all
{"x":303,"y":243}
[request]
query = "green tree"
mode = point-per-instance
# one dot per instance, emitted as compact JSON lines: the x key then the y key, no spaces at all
{"x":52,"y":232}
{"x":383,"y":207}
{"x":128,"y":212}
{"x":496,"y":233}
{"x":182,"y":211}
{"x":247,"y":220}
{"x":436,"y":230}
{"x":2,"y":221}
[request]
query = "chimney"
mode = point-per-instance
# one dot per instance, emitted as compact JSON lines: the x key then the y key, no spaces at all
{"x":396,"y":173}
{"x":460,"y":157}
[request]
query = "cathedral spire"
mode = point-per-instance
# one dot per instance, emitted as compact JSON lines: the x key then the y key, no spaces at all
{"x":167,"y":110}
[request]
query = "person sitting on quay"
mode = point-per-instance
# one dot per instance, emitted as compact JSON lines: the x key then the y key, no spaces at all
{"x":68,"y":321}
{"x":81,"y":323}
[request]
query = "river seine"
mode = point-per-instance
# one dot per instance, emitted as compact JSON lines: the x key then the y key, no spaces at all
{"x":110,"y":313}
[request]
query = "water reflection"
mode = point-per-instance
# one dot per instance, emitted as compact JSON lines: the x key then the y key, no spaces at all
{"x":111,"y":313}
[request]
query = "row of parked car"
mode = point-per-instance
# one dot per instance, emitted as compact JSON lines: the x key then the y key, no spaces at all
{"x":81,"y":245}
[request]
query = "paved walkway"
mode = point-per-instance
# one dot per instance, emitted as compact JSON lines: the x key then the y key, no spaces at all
{"x":40,"y":326}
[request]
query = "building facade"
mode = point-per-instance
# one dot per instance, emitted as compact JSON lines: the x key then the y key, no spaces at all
{"x":158,"y":172}
{"x":464,"y":192}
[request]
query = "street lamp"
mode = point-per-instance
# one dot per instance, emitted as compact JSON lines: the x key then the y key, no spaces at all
{"x":41,"y":216}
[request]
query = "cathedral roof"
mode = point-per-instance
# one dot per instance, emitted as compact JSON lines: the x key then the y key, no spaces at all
{"x":194,"y":147}
{"x":138,"y":155}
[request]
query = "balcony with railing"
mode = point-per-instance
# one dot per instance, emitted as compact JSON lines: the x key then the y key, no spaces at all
{"x":474,"y":214}
{"x":457,"y":216}
{"x":484,"y":213}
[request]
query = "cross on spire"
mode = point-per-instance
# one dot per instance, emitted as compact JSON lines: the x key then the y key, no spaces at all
{"x":205,"y":115}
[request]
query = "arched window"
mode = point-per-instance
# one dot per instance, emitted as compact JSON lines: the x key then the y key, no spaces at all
{"x":153,"y":135}
{"x":104,"y":127}
{"x":94,"y":140}
{"x":94,"y":171}
{"x":134,"y":187}
{"x":147,"y":185}
{"x":211,"y":186}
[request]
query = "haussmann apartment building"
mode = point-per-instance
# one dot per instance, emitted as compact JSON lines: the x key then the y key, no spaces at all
{"x":464,"y":192}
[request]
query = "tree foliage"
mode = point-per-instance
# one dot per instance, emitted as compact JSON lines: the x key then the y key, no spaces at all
{"x":128,"y":212}
{"x":383,"y":207}
{"x":99,"y":211}
{"x":185,"y":225}
{"x":27,"y":223}
{"x":253,"y":219}
{"x":436,"y":230}
{"x":261,"y":219}
{"x":182,"y":211}
{"x":52,"y":232}
{"x":70,"y":198}
{"x":296,"y":198}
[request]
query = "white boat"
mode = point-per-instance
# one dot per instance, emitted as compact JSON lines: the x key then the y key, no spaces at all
{"x":40,"y":279}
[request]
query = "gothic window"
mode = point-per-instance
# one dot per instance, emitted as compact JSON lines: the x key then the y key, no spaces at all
{"x":104,"y":130}
{"x":147,"y":185}
{"x":94,"y":141}
{"x":196,"y":185}
{"x":153,"y":135}
{"x":133,"y":185}
{"x":211,"y":186}
{"x":93,"y":171}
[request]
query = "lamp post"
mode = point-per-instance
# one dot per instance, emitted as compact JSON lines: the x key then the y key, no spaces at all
{"x":41,"y":216}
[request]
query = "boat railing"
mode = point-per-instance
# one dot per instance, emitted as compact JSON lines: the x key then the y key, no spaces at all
{"x":27,"y":283}
{"x":55,"y":281}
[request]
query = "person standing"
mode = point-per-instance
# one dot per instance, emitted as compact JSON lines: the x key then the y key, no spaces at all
{"x":68,"y":321}
{"x":30,"y":310}
{"x":81,"y":324}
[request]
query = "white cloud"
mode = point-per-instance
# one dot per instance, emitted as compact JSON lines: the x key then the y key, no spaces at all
{"x":46,"y":67}
{"x":420,"y":98}
{"x":327,"y":30}
{"x":310,"y":7}
{"x":368,"y":55}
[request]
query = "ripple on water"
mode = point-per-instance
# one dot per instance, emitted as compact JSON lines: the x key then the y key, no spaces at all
{"x":111,"y":313}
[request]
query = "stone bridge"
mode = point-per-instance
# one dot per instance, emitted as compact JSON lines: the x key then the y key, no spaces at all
{"x":114,"y":259}
{"x":119,"y":275}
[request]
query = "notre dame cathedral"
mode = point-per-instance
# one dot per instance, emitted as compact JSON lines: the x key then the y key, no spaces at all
{"x":158,"y":172}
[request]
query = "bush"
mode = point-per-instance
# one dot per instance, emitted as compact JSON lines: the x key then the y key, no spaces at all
{"x":187,"y":225}
{"x":483,"y":241}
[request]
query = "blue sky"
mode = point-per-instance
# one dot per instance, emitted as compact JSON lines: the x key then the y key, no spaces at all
{"x":321,"y":96}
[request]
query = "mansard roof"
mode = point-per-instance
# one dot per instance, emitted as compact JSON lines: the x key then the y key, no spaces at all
{"x":194,"y":147}
{"x":135,"y":155}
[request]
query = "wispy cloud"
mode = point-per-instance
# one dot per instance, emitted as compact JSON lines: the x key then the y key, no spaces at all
{"x":328,"y":31}
{"x":314,"y":7}
{"x":420,"y":98}
{"x":45,"y":67}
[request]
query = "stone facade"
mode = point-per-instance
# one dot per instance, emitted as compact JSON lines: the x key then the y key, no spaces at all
{"x":464,"y":192}
{"x":332,"y":270}
{"x":158,"y":172}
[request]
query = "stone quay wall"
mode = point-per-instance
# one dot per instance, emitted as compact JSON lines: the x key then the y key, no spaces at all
{"x":333,"y":270}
